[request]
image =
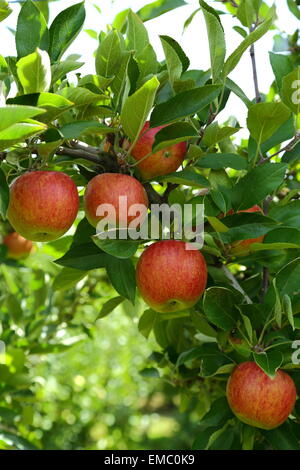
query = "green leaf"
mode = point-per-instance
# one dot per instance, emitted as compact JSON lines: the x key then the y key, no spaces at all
{"x":277,"y":305}
{"x":265,"y":118}
{"x":64,"y":29}
{"x":34,"y":72}
{"x":18,"y":132}
{"x":246,"y":13}
{"x":121,"y":249}
{"x":32,"y":31}
{"x":248,"y":327}
{"x":216,"y":161}
{"x":147,"y":322}
{"x":282,"y":235}
{"x":141,"y":102}
{"x":184,"y":104}
{"x":294,"y":8}
{"x":110,"y":306}
{"x":257,"y":184}
{"x":288,"y":309}
{"x":235,"y":57}
{"x":246,"y":225}
{"x":173,"y":61}
{"x":173,"y":134}
{"x":290,"y":92}
{"x":5,"y":10}
{"x":122,"y":276}
{"x":68,"y":278}
{"x":167,"y":40}
{"x":269,"y":362}
{"x":10,"y":115}
{"x":248,"y":437}
{"x":287,"y":280}
{"x":281,"y":65}
{"x":137,"y":35}
{"x":289,"y":214}
{"x":187,"y":177}
{"x":159,"y":7}
{"x":219,"y":307}
{"x":109,"y":54}
{"x":44,"y":8}
{"x":147,"y":63}
{"x":118,"y":84}
{"x":231,"y":85}
{"x":4,"y":195}
{"x":189,"y":20}
{"x":216,"y":39}
{"x":282,"y":438}
{"x":85,"y":257}
{"x":53,"y":104}
{"x":218,"y":414}
{"x":73,"y":130}
{"x":61,"y":69}
{"x":214,"y":134}
{"x":202,"y":440}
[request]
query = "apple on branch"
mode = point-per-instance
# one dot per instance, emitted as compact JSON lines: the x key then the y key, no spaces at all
{"x":171,"y":276}
{"x":17,"y":246}
{"x":258,"y":400}
{"x":43,"y":205}
{"x":158,"y":163}
{"x":109,"y":189}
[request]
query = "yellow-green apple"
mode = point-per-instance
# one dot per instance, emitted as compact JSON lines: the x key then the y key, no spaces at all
{"x":258,"y":400}
{"x":43,"y":205}
{"x":171,"y":276}
{"x":17,"y":246}
{"x":158,"y":163}
{"x":120,"y":192}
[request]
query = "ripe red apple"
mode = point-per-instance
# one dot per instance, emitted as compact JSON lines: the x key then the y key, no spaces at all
{"x":43,"y":205}
{"x":161,"y":162}
{"x":171,"y":277}
{"x":108,"y":188}
{"x":258,"y":400}
{"x":17,"y":246}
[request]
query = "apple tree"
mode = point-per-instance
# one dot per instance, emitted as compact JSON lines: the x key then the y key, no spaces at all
{"x":150,"y":129}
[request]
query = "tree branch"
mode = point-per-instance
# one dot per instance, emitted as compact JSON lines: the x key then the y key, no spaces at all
{"x":254,"y":69}
{"x":287,"y":148}
{"x":106,"y":160}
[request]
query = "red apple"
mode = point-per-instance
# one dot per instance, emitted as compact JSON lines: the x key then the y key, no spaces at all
{"x":108,"y":188}
{"x":161,"y":162}
{"x":258,"y":400}
{"x":43,"y":205}
{"x":17,"y":246}
{"x":170,"y":276}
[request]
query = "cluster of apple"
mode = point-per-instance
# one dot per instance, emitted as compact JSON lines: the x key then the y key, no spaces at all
{"x":170,"y":275}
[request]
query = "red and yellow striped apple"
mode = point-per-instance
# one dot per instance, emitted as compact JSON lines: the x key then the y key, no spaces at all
{"x":43,"y":205}
{"x":258,"y":400}
{"x":108,"y":188}
{"x":171,"y":277}
{"x":158,"y":163}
